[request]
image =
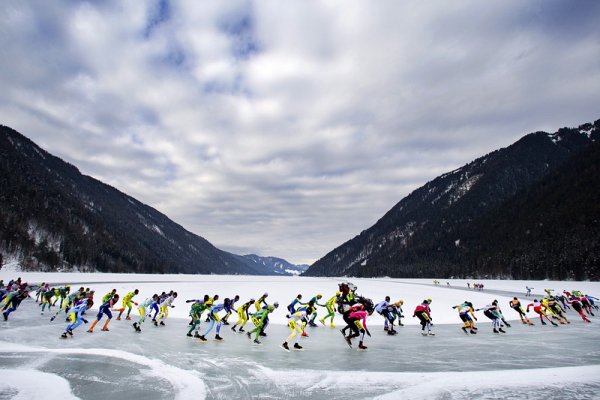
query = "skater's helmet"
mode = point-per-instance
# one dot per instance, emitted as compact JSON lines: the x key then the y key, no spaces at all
{"x":251,"y":301}
{"x":387,"y":298}
{"x":319,"y":296}
{"x":136,"y":291}
{"x":338,"y":293}
{"x":265,"y":294}
{"x":276,"y":304}
{"x":270,"y":308}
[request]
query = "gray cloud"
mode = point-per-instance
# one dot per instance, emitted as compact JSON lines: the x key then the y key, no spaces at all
{"x":286,"y":129}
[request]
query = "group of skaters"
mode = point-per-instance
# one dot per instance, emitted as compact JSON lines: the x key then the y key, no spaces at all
{"x":354,"y":310}
{"x":552,"y":308}
{"x":475,"y":286}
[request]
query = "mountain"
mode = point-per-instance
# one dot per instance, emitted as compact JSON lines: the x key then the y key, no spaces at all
{"x":273,"y":265}
{"x":54,"y":218}
{"x":527,"y":211}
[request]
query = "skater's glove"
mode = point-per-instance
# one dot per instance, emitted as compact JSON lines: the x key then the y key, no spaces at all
{"x":368,"y":333}
{"x":475,"y":318}
{"x":362,"y":331}
{"x":135,"y":303}
{"x":85,"y":321}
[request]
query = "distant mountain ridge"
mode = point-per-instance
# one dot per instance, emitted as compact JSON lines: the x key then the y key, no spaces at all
{"x":54,"y":218}
{"x":274,"y":265}
{"x":439,"y":231}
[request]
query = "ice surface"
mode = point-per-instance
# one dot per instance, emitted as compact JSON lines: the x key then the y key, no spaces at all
{"x":530,"y":362}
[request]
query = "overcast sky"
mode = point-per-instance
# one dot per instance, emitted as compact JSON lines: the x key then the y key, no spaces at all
{"x":285,"y":128}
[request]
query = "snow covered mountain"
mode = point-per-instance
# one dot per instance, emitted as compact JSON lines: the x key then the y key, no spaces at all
{"x":54,"y":218}
{"x":438,"y":229}
{"x":273,"y":265}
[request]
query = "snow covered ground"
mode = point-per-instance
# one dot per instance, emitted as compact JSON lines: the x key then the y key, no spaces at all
{"x":532,"y":362}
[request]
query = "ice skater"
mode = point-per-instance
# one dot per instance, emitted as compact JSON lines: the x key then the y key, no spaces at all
{"x":515,"y":304}
{"x":105,"y":310}
{"x":13,"y":300}
{"x":292,"y":306}
{"x":231,"y":309}
{"x":330,"y":306}
{"x":467,"y":315}
{"x":423,"y":312}
{"x":313,"y":303}
{"x":214,"y":317}
{"x":258,"y":304}
{"x":164,"y":309}
{"x":143,"y":309}
{"x":491,"y":311}
{"x":198,"y":307}
{"x":295,"y":325}
{"x":260,"y":320}
{"x":576,"y":304}
{"x":76,"y":316}
{"x":540,"y":309}
{"x":128,"y":303}
{"x":357,"y":321}
{"x":555,"y":309}
{"x":47,"y":299}
{"x":243,"y":316}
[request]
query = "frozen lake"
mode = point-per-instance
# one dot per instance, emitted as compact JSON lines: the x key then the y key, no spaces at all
{"x":529,"y":362}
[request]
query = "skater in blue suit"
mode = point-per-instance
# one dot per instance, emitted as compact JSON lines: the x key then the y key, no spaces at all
{"x":76,"y":317}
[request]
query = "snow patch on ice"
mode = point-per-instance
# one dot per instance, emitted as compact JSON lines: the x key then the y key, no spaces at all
{"x":438,"y":385}
{"x":18,"y":383}
{"x":187,"y":384}
{"x":434,"y":385}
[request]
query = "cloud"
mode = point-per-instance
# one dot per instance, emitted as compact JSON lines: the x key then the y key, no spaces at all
{"x":286,"y":129}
